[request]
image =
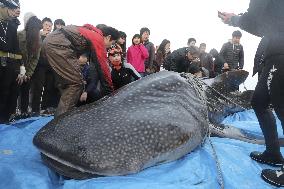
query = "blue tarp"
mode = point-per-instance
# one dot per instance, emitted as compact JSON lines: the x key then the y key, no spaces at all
{"x":21,"y":166}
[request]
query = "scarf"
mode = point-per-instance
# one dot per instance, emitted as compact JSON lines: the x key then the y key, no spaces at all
{"x":95,"y":37}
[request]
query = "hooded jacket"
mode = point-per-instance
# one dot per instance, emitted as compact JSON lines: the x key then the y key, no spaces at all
{"x":136,"y":56}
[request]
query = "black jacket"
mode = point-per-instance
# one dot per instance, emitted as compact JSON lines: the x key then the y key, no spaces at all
{"x":122,"y":77}
{"x":177,"y":61}
{"x":233,"y":55}
{"x":151,"y":50}
{"x":8,"y":33}
{"x":264,"y":18}
{"x":206,"y":61}
{"x":92,"y":79}
{"x":218,"y":64}
{"x":42,"y":61}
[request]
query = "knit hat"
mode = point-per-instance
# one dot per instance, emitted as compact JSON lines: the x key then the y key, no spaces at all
{"x":27,"y":16}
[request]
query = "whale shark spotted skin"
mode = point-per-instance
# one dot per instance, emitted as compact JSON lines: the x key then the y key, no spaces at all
{"x":157,"y":119}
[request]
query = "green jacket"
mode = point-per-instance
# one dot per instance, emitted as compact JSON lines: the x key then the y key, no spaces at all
{"x":29,"y":62}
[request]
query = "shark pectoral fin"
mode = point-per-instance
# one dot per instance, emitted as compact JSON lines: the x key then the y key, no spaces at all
{"x":227,"y":131}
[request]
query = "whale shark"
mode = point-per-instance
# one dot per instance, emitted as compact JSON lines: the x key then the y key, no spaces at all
{"x":154,"y":120}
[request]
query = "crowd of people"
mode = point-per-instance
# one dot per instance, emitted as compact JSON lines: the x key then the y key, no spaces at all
{"x":49,"y":68}
{"x":61,"y":67}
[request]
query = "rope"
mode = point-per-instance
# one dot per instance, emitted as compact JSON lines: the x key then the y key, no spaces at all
{"x":198,"y":85}
{"x":220,"y":177}
{"x":224,"y":97}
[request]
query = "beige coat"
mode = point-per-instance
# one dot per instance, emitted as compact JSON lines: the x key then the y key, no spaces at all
{"x":63,"y":57}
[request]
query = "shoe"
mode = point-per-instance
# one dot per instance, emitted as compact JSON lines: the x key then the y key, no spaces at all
{"x":273,"y":177}
{"x":266,"y":158}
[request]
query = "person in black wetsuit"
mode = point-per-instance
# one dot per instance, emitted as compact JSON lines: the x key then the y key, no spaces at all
{"x":264,"y":18}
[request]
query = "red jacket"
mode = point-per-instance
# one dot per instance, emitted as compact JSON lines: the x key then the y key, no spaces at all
{"x":136,"y":56}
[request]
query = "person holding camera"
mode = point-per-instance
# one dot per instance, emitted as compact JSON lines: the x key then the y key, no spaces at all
{"x":264,"y":18}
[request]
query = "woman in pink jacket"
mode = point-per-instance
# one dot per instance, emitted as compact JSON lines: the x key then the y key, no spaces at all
{"x":137,"y":54}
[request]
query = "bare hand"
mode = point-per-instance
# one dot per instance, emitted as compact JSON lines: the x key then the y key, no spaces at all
{"x":45,"y":32}
{"x":84,"y":96}
{"x":20,"y":79}
{"x":225,"y":16}
{"x":195,"y":60}
{"x":198,"y":74}
{"x":226,"y":66}
{"x":167,"y":50}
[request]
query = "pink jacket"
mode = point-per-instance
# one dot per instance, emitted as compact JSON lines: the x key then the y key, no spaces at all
{"x":136,"y":56}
